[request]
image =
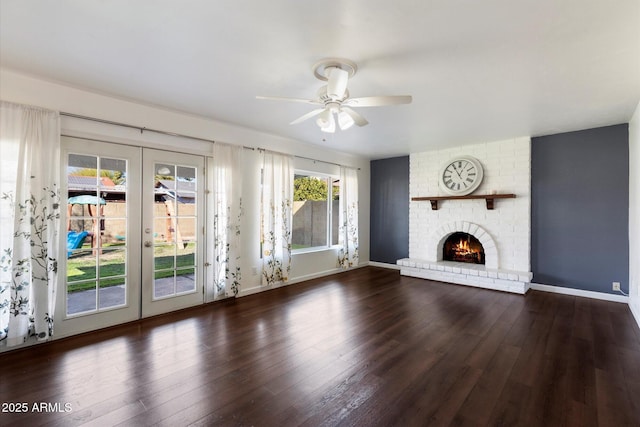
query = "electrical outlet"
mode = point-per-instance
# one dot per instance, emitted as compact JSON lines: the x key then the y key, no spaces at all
{"x":615,"y":286}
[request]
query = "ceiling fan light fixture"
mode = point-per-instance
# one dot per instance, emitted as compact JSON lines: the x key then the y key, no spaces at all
{"x":345,"y":121}
{"x":324,"y":118}
{"x":330,"y":126}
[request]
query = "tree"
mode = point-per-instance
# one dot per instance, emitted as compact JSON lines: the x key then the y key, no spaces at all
{"x":309,"y":188}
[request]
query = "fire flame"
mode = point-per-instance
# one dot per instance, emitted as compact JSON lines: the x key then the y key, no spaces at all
{"x":463,"y":248}
{"x":466,"y":249}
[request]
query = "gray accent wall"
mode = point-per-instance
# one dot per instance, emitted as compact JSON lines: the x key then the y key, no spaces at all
{"x":389,"y":238}
{"x":580,"y":209}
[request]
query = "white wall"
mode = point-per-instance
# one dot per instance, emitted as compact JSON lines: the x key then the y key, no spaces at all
{"x":634,"y":214}
{"x":24,"y":89}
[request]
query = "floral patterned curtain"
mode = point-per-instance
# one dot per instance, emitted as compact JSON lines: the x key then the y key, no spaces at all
{"x":276,"y":214}
{"x":227,"y":212}
{"x":348,"y":230}
{"x":30,"y":221}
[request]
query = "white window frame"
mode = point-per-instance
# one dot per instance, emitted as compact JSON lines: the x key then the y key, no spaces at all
{"x":330,"y":180}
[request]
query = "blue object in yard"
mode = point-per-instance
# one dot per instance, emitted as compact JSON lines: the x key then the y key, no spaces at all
{"x":75,"y":240}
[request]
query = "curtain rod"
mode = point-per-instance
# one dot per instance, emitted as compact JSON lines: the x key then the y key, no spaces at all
{"x":179,"y":135}
{"x":299,"y":157}
{"x":329,"y":163}
{"x":141,"y":129}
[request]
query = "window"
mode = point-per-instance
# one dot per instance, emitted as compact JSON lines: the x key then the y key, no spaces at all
{"x":315,"y":211}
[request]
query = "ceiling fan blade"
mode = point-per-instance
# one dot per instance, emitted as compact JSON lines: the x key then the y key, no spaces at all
{"x":337,"y":85}
{"x":378,"y":101}
{"x":357,"y":118}
{"x":280,"y":98}
{"x":307,"y":116}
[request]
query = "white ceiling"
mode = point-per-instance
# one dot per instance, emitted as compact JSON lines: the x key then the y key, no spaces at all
{"x":477,"y":70}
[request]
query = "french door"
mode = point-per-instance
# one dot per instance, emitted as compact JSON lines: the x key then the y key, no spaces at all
{"x":134,"y":232}
{"x":172,"y":238}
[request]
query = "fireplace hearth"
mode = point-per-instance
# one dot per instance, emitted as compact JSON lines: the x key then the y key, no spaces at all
{"x":463,"y":247}
{"x":463,"y":266}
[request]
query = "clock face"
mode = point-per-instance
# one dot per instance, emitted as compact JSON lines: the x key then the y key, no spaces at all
{"x":461,"y":176}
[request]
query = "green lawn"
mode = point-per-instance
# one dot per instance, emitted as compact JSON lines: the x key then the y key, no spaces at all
{"x":81,"y":268}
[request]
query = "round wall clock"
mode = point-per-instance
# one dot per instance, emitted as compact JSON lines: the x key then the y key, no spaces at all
{"x":461,"y":175}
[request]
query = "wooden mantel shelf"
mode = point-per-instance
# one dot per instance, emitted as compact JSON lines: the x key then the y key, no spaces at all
{"x":489,"y":198}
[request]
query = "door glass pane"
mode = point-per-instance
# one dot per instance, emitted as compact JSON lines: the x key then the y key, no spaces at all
{"x":112,"y":263}
{"x":164,"y":286}
{"x":96,"y":233}
{"x":81,"y":298}
{"x":186,"y":174}
{"x":185,"y":280}
{"x":174,"y":230}
{"x":80,"y":163}
{"x":113,"y":175}
{"x":186,"y":205}
{"x":165,"y":172}
{"x":112,"y":292}
{"x":185,"y":189}
{"x":114,"y":234}
{"x":187,"y":228}
{"x":164,"y":257}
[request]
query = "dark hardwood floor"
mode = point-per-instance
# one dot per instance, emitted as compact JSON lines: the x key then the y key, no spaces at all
{"x":366,"y":348}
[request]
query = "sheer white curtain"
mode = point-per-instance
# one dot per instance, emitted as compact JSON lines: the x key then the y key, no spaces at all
{"x":348,"y":230}
{"x":276,"y":214}
{"x":227,"y":213}
{"x":29,"y":221}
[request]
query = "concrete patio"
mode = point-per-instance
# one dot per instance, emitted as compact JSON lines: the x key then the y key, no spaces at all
{"x":114,"y":296}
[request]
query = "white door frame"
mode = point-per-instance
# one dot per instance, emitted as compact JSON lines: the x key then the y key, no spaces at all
{"x":66,"y":325}
{"x":152,"y":306}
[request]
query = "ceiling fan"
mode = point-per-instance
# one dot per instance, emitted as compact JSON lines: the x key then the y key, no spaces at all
{"x":334,"y":97}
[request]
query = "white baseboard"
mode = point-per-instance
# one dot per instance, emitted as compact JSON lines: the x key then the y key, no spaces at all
{"x":635,"y":310}
{"x":324,"y":273}
{"x":258,"y":289}
{"x":316,"y":275}
{"x":251,"y":291}
{"x":580,"y":293}
{"x":384,"y":265}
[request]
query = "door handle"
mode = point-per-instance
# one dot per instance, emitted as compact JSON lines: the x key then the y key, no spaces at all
{"x":148,"y":244}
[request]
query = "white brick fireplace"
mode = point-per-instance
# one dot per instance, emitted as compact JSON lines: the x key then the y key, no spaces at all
{"x":505,"y":231}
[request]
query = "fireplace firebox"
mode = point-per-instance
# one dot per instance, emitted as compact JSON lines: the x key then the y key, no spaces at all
{"x":463,"y":247}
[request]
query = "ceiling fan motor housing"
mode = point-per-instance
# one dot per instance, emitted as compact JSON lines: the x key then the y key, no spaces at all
{"x":320,"y":69}
{"x":325,"y":98}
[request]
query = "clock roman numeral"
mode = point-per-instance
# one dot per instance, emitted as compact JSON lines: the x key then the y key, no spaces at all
{"x":469,"y":179}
